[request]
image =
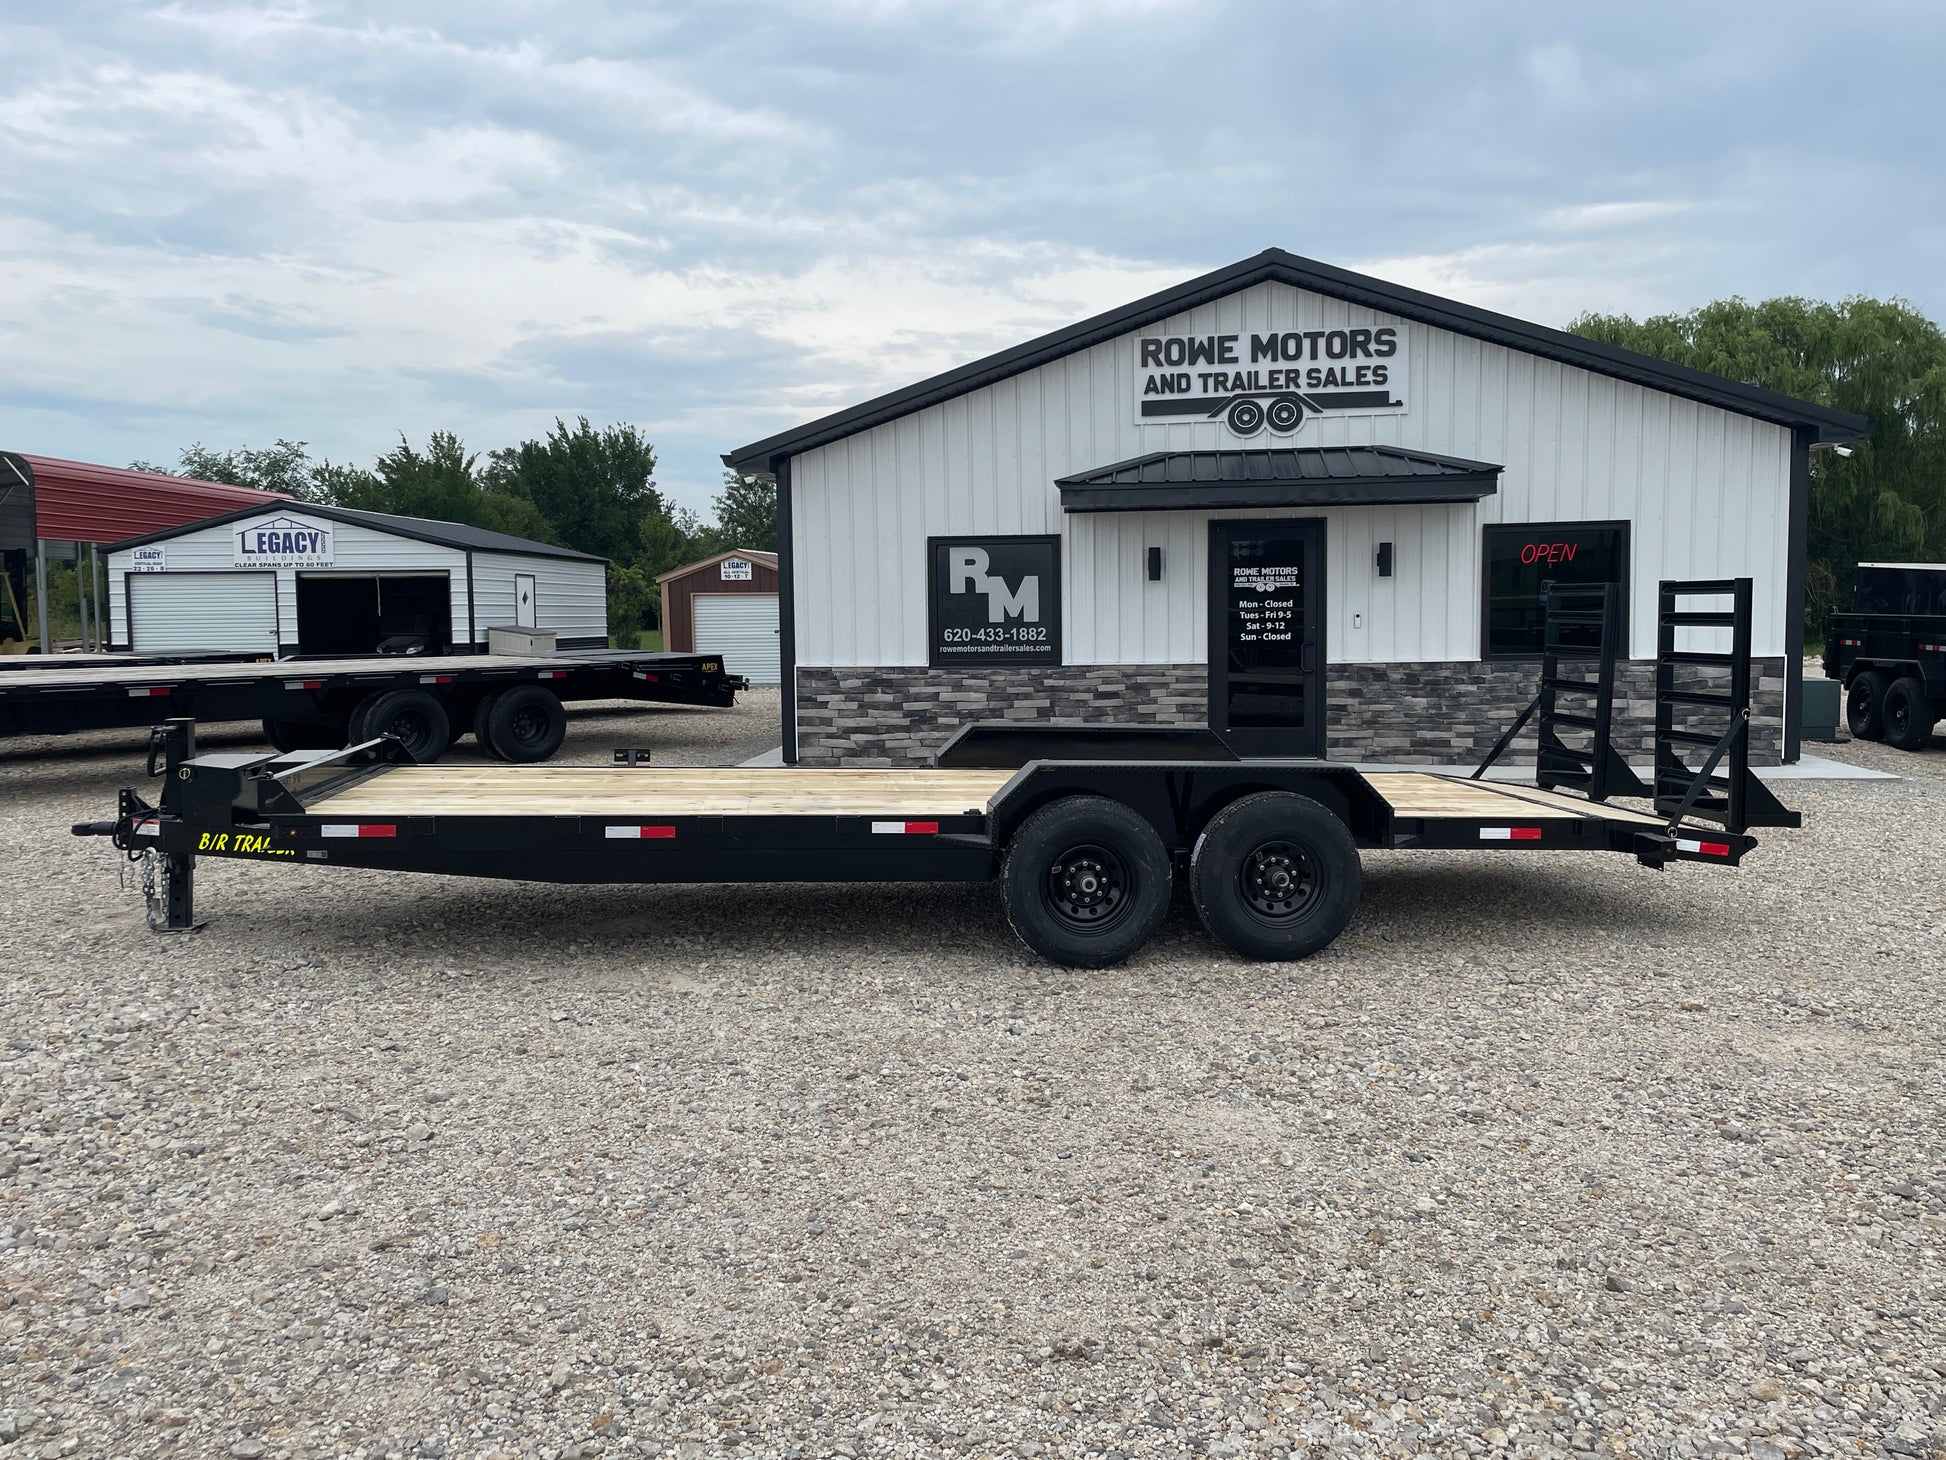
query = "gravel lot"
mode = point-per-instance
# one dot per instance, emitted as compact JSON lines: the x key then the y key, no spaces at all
{"x":1543,"y":1157}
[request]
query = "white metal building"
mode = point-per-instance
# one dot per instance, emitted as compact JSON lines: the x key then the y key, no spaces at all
{"x":303,"y":579}
{"x":1317,"y":510}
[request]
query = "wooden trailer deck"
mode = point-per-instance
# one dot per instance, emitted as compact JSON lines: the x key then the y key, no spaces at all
{"x":795,"y":791}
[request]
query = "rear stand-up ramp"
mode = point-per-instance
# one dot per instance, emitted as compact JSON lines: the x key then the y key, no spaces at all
{"x":1583,"y":634}
{"x":1718,"y":684}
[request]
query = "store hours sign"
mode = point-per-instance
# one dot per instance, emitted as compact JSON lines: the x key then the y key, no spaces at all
{"x":993,"y":600}
{"x":1270,"y":383}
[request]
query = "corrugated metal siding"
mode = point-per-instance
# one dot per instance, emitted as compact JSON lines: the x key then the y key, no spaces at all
{"x":1707,"y":492}
{"x":570,"y":597}
{"x":354,"y":549}
{"x":75,"y":501}
{"x":678,"y":594}
{"x":742,"y":627}
{"x":184,"y":612}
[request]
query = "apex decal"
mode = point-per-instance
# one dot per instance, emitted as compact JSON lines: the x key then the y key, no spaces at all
{"x":283,"y":542}
{"x":1275,"y":379}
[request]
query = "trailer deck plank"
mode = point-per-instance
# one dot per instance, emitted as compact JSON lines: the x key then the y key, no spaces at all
{"x":653,"y":792}
{"x":1415,"y":793}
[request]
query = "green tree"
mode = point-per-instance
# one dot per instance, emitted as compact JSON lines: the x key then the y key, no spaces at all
{"x":441,"y":483}
{"x":285,"y":467}
{"x":1879,"y":358}
{"x":746,"y":513}
{"x":593,"y":486}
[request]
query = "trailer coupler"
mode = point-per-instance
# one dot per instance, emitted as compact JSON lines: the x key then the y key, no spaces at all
{"x":168,"y":879}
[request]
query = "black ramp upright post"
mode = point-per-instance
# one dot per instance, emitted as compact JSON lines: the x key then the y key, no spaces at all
{"x":176,"y":739}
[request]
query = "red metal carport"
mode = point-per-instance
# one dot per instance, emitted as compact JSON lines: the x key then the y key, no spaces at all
{"x":77,"y":503}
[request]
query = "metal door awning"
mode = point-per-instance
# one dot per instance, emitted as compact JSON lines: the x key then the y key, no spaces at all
{"x":1296,"y":476}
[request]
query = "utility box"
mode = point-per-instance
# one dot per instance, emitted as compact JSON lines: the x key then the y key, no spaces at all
{"x":520,"y":641}
{"x":1821,"y":701}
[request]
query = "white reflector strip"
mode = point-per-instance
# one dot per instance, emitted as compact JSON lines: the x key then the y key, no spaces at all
{"x":302,"y":683}
{"x":435,"y":679}
{"x":553,"y":674}
{"x":1706,"y":849}
{"x":363,"y":828}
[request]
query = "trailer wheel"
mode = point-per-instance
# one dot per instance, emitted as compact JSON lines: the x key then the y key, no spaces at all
{"x":412,"y":717}
{"x":289,"y":735}
{"x":1908,"y":716}
{"x":526,"y":723}
{"x":1865,"y":706}
{"x":1085,"y":881}
{"x":1275,"y":876}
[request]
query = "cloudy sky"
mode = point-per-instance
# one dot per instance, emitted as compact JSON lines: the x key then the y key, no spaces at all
{"x":337,"y":222}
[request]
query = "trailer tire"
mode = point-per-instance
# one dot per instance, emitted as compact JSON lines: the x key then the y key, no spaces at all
{"x":1275,"y":876}
{"x":1907,"y":714}
{"x":1865,"y":705}
{"x":482,"y":736}
{"x":1085,"y":881}
{"x":412,"y":717}
{"x":289,"y":735}
{"x":525,"y":724}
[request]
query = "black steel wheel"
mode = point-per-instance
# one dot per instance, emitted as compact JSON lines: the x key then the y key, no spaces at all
{"x":413,"y":718}
{"x":1865,"y":705}
{"x":1245,"y":417}
{"x":1908,"y":716}
{"x":482,"y":720}
{"x":1275,"y":876}
{"x":1285,"y":414}
{"x":525,"y":724}
{"x":1085,"y":881}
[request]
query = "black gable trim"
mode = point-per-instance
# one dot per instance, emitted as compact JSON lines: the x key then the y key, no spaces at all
{"x":1274,"y":264}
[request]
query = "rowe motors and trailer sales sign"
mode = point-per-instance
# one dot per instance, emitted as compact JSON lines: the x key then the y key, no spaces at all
{"x":1272,"y":381}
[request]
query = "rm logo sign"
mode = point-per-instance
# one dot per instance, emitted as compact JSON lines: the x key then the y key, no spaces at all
{"x":994,"y":600}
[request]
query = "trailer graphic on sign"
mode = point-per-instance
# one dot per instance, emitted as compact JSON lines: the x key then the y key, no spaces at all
{"x":1276,"y":380}
{"x":283,"y":542}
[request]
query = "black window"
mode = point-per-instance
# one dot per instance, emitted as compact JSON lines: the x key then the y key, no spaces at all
{"x":1524,"y":558}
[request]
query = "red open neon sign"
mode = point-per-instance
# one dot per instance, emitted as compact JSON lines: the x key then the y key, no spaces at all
{"x":1550,"y":553}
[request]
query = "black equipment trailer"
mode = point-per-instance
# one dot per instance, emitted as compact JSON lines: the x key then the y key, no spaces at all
{"x":1086,"y":828}
{"x":1890,"y":655}
{"x":510,"y":703}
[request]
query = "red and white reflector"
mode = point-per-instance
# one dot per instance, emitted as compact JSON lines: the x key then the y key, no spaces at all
{"x":435,"y":679}
{"x":651,"y":678}
{"x":303,"y":684}
{"x":1510,"y":833}
{"x":359,"y":829}
{"x":546,"y":674}
{"x":905,"y":828}
{"x":644,"y":833}
{"x":1934,"y":648}
{"x":1704,"y":849}
{"x":151,"y":691}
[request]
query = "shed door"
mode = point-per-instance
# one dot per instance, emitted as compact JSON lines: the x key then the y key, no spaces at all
{"x":170,"y":613}
{"x":742,"y":627}
{"x":526,"y":611}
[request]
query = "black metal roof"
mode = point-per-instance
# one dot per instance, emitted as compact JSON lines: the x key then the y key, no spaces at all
{"x":1274,"y":264}
{"x":1292,"y":476}
{"x":424,"y":529}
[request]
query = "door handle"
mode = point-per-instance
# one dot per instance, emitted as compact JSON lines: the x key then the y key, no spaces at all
{"x":1307,"y":658}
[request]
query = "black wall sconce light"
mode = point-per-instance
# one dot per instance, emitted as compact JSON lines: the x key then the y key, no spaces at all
{"x":1385,"y":560}
{"x":1155,"y":565}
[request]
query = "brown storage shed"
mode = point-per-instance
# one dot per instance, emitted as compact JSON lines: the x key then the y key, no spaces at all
{"x":725,"y":605}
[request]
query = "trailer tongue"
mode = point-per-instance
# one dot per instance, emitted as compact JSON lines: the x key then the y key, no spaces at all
{"x":1085,"y":828}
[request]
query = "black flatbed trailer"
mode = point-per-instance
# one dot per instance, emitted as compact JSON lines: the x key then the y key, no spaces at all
{"x":511,"y":703}
{"x":1890,"y":654}
{"x":1086,"y":829}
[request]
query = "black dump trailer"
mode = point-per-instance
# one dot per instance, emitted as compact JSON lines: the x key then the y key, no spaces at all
{"x":1087,"y":829}
{"x":1890,"y":654}
{"x":512,"y":704}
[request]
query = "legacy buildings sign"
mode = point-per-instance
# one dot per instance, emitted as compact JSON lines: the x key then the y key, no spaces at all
{"x":994,"y":600}
{"x":282,"y":542}
{"x":1271,"y":381}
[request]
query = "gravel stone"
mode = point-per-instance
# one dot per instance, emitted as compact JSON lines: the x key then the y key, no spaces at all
{"x":813,"y":1171}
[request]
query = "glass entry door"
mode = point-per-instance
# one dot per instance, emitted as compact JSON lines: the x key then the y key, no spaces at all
{"x":1266,"y":625}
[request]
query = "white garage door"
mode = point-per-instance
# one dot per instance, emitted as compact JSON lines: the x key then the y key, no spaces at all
{"x":742,"y":627}
{"x":182,"y":612}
